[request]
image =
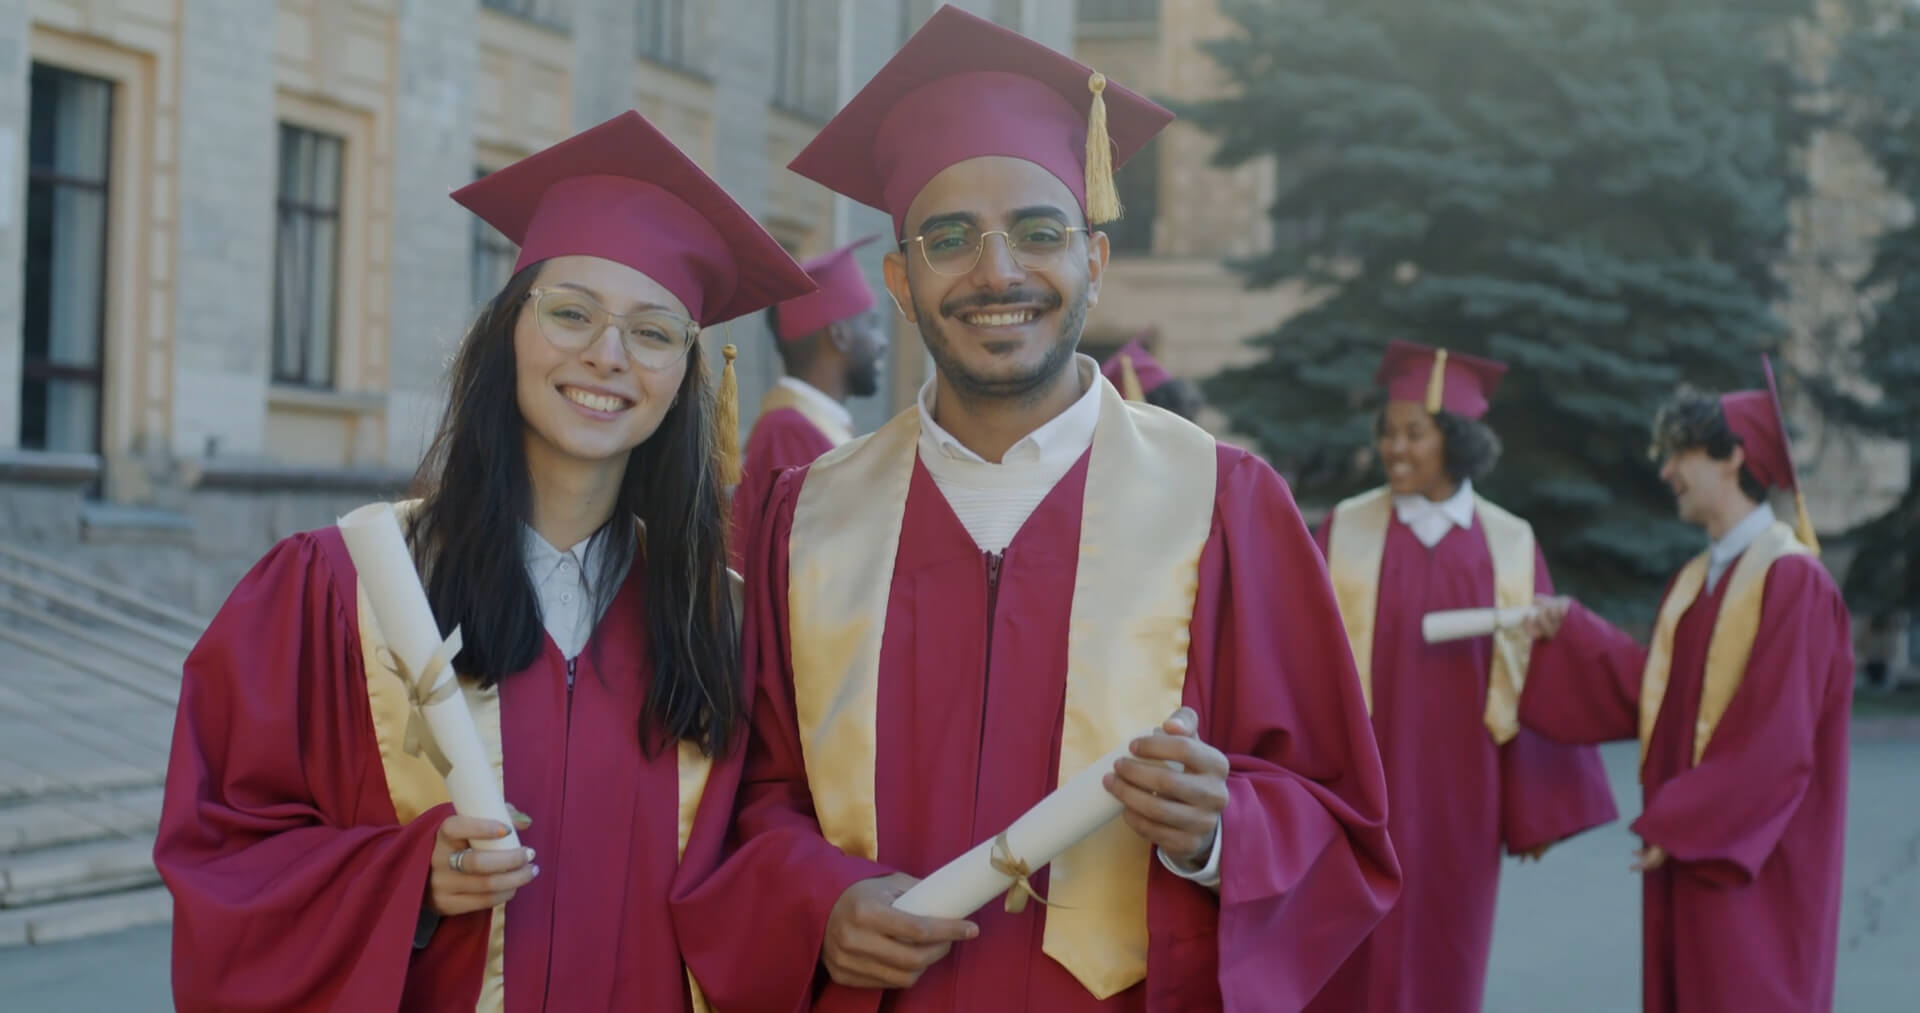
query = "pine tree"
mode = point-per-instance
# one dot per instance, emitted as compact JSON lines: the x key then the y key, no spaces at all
{"x":1878,"y":73}
{"x":1594,"y":191}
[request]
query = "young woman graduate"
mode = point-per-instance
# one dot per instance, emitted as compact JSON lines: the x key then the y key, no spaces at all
{"x":571,"y":525}
{"x":1464,"y":780}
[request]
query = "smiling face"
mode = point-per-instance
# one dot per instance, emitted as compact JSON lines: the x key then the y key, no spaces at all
{"x":1413,"y":451}
{"x":1701,"y":482}
{"x":1007,"y":327}
{"x":593,"y":404}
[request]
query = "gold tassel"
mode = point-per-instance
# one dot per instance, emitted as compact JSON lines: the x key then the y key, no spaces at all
{"x":1130,"y":381}
{"x":1103,"y":200}
{"x":726,"y":422}
{"x":1437,"y":383}
{"x":1803,"y":523}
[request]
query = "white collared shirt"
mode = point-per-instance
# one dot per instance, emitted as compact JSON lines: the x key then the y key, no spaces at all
{"x":1738,"y":539}
{"x":994,"y":500}
{"x":1430,"y":520}
{"x":564,"y":584}
{"x":820,"y":400}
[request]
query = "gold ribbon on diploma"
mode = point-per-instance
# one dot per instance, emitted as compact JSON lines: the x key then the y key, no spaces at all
{"x":1006,"y":865}
{"x":422,"y":693}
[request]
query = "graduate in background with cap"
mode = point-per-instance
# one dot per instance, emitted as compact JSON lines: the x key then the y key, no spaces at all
{"x":831,"y":342}
{"x":314,"y":861}
{"x":1464,"y":780}
{"x":1140,"y":377}
{"x":1741,"y":704}
{"x":951,"y":616}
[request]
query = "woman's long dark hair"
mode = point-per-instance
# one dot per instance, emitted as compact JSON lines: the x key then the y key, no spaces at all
{"x":477,"y":497}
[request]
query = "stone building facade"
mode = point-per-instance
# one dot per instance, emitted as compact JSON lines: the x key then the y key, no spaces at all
{"x":230,"y":276}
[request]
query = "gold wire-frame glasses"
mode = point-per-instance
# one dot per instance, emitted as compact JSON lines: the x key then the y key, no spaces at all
{"x":571,"y":320}
{"x":953,"y":248}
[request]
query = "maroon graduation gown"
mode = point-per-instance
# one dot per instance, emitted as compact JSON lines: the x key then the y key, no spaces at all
{"x":969,"y":714}
{"x":1745,"y":915}
{"x":1455,"y":798}
{"x":781,"y":439}
{"x":295,"y":888}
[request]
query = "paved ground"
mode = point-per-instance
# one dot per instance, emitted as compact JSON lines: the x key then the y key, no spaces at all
{"x":1567,"y":939}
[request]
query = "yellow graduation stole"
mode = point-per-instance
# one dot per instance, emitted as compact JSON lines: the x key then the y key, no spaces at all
{"x":1354,"y":554}
{"x":1127,"y":643}
{"x":782,"y":396}
{"x":1733,"y":630}
{"x":417,"y":787}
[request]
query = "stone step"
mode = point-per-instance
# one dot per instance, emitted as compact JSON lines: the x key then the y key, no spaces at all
{"x":48,"y":822}
{"x":18,"y":782}
{"x":156,"y":680}
{"x":57,"y":874}
{"x":90,"y":916}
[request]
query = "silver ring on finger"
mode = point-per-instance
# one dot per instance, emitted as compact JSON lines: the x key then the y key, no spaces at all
{"x":456,"y":858}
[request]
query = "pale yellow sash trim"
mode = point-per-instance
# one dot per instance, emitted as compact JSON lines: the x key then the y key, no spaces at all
{"x":1354,"y":556}
{"x":781,"y":396}
{"x":1127,"y":645}
{"x":416,"y":787}
{"x":694,"y":768}
{"x":1731,"y":645}
{"x":1510,"y":542}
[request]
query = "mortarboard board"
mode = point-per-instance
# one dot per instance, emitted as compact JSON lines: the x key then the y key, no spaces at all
{"x":1454,"y":382}
{"x":1759,"y":418}
{"x":964,"y":87}
{"x":623,"y":192}
{"x":843,"y":292}
{"x":1134,"y":361}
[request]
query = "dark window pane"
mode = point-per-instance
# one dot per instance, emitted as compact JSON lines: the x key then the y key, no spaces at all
{"x":1138,"y":183}
{"x":307,"y":257}
{"x":69,"y":135}
{"x":1107,"y":12}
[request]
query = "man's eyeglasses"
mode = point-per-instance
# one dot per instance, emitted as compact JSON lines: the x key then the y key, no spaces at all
{"x":953,"y":248}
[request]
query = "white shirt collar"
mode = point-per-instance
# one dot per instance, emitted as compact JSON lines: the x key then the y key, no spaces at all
{"x":1064,"y":437}
{"x":566,"y":585}
{"x":543,"y":559}
{"x":1431,"y":520}
{"x":1737,"y":540}
{"x":819,"y":399}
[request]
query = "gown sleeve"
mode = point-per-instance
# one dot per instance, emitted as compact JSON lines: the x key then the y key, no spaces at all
{"x":293,"y":885}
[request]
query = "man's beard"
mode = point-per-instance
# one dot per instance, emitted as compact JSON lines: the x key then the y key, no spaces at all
{"x":1023,"y":386}
{"x":863,"y":377}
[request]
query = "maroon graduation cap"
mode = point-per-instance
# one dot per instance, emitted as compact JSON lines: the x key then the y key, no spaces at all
{"x":1454,"y":382}
{"x":623,"y":192}
{"x":1759,"y":418}
{"x":962,"y":88}
{"x":843,"y":292}
{"x":1135,"y":371}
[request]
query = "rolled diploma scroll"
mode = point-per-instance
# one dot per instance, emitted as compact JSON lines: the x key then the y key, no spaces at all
{"x":1464,"y":624}
{"x":406,"y":621}
{"x":1060,"y":821}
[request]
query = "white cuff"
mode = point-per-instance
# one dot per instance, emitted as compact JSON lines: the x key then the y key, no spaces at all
{"x":1207,"y":875}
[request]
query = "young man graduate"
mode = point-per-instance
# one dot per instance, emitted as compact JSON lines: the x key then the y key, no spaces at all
{"x":950,"y":617}
{"x":831,"y":341}
{"x":1741,"y":705}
